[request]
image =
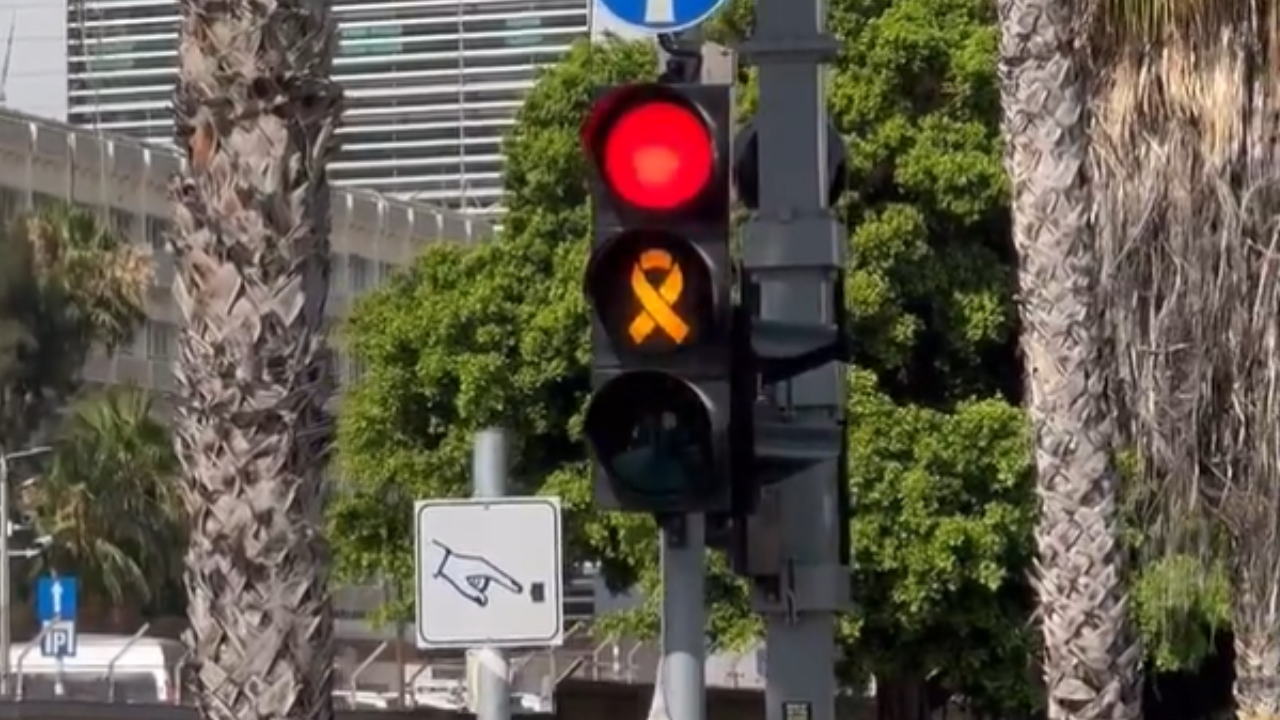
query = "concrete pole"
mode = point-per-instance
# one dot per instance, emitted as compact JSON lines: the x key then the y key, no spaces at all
{"x":6,"y":576}
{"x":679,"y":691}
{"x":6,"y":591}
{"x":795,"y":248}
{"x":489,"y":475}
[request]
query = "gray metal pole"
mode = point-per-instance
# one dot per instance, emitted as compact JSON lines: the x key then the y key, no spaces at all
{"x":489,"y":475}
{"x":680,"y":689}
{"x":6,"y":639}
{"x":795,"y":247}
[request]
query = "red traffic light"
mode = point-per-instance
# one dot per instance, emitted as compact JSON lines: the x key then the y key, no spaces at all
{"x":654,"y":151}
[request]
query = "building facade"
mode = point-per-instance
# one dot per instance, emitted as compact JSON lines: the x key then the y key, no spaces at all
{"x":124,"y":181}
{"x":432,"y":85}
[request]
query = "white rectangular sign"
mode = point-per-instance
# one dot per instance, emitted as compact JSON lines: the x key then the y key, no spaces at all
{"x":489,"y":573}
{"x":59,"y":639}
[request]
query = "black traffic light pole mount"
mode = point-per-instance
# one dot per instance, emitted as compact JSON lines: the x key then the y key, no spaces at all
{"x":684,"y":59}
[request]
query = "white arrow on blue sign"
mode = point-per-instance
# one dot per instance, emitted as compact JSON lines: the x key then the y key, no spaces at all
{"x":56,"y":598}
{"x":661,"y":16}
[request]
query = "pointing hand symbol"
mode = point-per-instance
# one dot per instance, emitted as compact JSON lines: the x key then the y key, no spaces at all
{"x":473,"y":576}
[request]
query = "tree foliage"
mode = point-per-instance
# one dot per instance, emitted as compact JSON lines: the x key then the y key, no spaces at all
{"x":67,"y":283}
{"x":938,"y":465}
{"x":476,"y":336}
{"x":109,"y":501}
{"x":471,"y":336}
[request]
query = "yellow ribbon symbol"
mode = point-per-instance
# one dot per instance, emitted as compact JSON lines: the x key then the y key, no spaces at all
{"x":657,"y":304}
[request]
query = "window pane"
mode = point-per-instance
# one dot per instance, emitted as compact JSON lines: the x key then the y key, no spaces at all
{"x":157,"y":233}
{"x":160,"y":337}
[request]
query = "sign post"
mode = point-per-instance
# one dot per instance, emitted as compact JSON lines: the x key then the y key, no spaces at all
{"x":794,"y":247}
{"x":57,"y":598}
{"x":489,"y":574}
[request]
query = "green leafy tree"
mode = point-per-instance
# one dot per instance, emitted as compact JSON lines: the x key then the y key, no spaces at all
{"x":938,"y":466}
{"x":482,"y":335}
{"x":497,"y":334}
{"x":943,"y":511}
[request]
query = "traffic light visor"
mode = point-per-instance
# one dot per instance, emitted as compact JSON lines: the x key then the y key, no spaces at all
{"x":652,"y":435}
{"x":653,"y":292}
{"x":653,"y":151}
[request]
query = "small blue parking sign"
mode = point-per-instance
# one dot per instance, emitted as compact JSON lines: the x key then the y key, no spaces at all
{"x":661,"y":16}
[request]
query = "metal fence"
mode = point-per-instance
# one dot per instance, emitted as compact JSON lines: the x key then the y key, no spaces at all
{"x":141,"y":668}
{"x":377,"y":678}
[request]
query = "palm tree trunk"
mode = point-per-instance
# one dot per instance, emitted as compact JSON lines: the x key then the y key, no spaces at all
{"x":1092,"y":660}
{"x":255,"y":111}
{"x":1257,"y":646}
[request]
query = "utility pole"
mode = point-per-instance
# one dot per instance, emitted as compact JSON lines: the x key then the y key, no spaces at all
{"x":489,"y":476}
{"x":794,"y":247}
{"x":680,"y":691}
{"x":6,"y":575}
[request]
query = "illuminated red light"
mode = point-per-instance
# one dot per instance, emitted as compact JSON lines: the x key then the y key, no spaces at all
{"x":658,"y":155}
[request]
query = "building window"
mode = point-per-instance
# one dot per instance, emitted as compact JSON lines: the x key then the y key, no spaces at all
{"x":385,"y":271}
{"x":121,"y":223}
{"x":160,"y":340}
{"x":358,"y":273}
{"x":366,"y":40}
{"x":11,"y":205}
{"x":42,"y":201}
{"x":130,"y":346}
{"x":157,"y":234}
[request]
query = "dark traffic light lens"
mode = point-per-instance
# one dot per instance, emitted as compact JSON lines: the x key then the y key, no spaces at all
{"x":652,"y":292}
{"x":658,"y":155}
{"x":652,"y":435}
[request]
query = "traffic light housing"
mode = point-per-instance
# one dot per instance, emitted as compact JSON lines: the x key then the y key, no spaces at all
{"x":746,"y":165}
{"x":663,"y":426}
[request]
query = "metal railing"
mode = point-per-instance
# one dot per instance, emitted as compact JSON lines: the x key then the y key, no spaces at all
{"x":536,"y":672}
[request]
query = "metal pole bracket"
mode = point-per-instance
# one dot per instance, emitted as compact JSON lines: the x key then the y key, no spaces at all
{"x":802,"y":588}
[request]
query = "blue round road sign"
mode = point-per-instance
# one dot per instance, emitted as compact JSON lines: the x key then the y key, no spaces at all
{"x":661,"y":16}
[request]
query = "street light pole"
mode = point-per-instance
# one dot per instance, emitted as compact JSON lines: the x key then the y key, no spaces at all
{"x":6,"y":588}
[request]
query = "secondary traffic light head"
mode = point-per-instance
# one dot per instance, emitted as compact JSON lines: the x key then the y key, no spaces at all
{"x":660,"y":283}
{"x":746,"y":166}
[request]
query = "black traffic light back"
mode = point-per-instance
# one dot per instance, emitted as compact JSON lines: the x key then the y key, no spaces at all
{"x":746,"y":166}
{"x":661,"y":285}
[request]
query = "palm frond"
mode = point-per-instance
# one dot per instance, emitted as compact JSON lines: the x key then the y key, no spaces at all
{"x":110,"y":499}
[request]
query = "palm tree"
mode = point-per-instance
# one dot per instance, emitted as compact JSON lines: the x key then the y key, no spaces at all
{"x":255,"y":113}
{"x":1184,"y":143}
{"x":109,"y":500}
{"x":66,"y":284}
{"x":1092,"y":661}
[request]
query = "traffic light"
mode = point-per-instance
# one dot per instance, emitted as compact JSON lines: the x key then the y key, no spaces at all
{"x":661,"y":423}
{"x":746,"y":165}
